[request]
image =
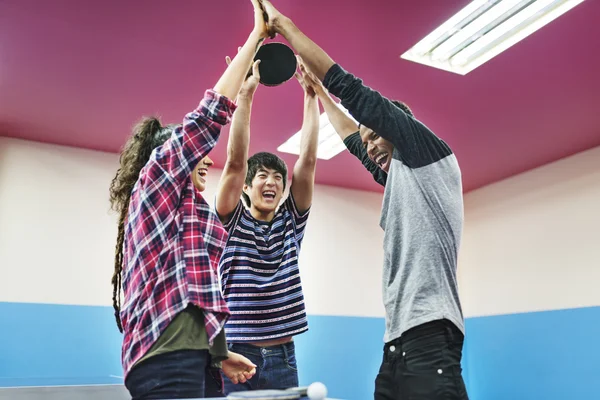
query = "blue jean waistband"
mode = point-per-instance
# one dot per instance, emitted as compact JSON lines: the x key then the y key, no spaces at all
{"x":278,"y":349}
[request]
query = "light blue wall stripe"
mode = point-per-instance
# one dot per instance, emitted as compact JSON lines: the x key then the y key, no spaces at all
{"x":544,"y":355}
{"x":552,"y":355}
{"x":352,"y":342}
{"x":47,"y":344}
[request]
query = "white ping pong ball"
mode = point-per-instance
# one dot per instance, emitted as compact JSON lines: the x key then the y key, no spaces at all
{"x":317,"y":391}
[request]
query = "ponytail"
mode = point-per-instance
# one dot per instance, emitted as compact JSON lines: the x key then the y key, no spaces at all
{"x":147,"y":135}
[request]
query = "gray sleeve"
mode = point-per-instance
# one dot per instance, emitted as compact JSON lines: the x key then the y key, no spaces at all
{"x":354,"y":145}
{"x":417,"y":145}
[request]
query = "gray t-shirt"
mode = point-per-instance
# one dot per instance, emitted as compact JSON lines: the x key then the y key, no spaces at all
{"x":422,"y":212}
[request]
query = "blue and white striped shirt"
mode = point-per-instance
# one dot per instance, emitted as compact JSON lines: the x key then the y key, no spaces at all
{"x":260,"y":279}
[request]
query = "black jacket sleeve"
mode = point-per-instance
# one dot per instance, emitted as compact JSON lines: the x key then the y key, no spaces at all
{"x":355,"y":146}
{"x":416,"y":144}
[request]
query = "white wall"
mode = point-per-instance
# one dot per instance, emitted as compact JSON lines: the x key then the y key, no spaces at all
{"x":532,"y":242}
{"x":57,"y":235}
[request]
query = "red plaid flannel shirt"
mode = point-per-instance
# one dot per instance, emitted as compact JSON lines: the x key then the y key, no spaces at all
{"x":173,"y":239}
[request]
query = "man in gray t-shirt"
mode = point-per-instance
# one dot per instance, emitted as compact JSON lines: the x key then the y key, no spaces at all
{"x":422,"y":219}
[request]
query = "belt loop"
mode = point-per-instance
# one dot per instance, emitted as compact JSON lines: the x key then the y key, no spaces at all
{"x":451,"y":336}
{"x":285,"y":351}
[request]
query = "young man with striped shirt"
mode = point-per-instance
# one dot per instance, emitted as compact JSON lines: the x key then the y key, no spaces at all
{"x":260,"y":279}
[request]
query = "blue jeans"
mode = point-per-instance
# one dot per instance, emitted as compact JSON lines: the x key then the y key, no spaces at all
{"x":180,"y":374}
{"x":276,"y":367}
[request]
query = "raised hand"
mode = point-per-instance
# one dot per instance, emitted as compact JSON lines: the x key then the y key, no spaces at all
{"x":250,"y":85}
{"x":309,"y":81}
{"x":308,"y":90}
{"x":274,"y":18}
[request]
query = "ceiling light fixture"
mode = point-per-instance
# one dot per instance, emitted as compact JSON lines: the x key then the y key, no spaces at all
{"x":482,"y":30}
{"x":330,"y":144}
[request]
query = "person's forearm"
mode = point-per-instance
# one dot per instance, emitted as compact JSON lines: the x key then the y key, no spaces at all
{"x":354,"y":145}
{"x":303,"y":177}
{"x":309,"y":140}
{"x":315,"y":58}
{"x":232,"y":79}
{"x":343,"y":124}
{"x":239,"y":135}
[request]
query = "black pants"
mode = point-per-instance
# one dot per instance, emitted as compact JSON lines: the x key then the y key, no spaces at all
{"x":184,"y":374}
{"x":423,"y":364}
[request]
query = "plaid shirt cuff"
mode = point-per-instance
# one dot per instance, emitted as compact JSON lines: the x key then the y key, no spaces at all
{"x":217,"y":107}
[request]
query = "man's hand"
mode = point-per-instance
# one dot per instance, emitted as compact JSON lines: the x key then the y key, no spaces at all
{"x":275,"y":18}
{"x":309,"y":80}
{"x":238,"y":368}
{"x":249,"y":87}
{"x":316,"y":59}
{"x":306,"y":85}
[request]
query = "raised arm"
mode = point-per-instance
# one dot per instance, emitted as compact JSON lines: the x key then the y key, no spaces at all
{"x":303,"y":178}
{"x":342,"y":123}
{"x":347,"y":130}
{"x":200,"y":130}
{"x":416,"y":144}
{"x":231,"y":81}
{"x":345,"y":127}
{"x":234,"y":172}
{"x":313,"y":56}
{"x":355,"y":146}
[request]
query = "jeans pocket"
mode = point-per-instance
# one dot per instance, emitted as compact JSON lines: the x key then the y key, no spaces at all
{"x":290,"y":361}
{"x":141,"y":388}
{"x":426,"y":359}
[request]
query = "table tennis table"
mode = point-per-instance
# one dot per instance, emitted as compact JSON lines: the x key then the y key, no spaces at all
{"x":88,"y":392}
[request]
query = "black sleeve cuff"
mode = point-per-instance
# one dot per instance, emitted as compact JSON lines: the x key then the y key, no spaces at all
{"x":335,"y":70}
{"x":352,"y":139}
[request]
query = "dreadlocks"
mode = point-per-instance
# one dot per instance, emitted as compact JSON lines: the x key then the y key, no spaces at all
{"x":116,"y":278}
{"x":147,"y":135}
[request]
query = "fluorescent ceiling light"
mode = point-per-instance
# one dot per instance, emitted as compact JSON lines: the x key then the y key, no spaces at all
{"x":482,"y":30}
{"x":330,"y":144}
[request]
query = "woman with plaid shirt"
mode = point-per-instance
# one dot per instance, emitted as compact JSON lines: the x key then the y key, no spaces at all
{"x":169,"y":245}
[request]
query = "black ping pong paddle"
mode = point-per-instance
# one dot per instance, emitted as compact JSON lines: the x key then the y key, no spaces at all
{"x":277,"y":63}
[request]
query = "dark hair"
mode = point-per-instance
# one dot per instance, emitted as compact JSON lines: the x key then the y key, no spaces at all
{"x":147,"y":135}
{"x":401,"y":105}
{"x":263,"y":160}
